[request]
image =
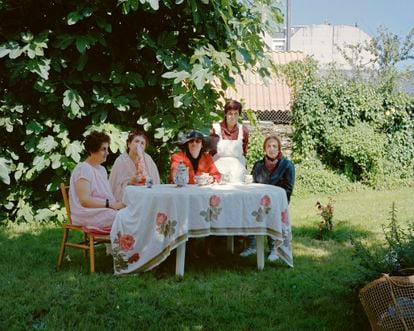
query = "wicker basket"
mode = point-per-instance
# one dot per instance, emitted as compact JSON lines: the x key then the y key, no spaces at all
{"x":389,"y":302}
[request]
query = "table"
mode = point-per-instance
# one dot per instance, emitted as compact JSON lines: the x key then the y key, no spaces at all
{"x":162,"y":218}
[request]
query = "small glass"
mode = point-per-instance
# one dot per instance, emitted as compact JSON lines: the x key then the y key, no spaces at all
{"x":248,"y":179}
{"x":149,"y":182}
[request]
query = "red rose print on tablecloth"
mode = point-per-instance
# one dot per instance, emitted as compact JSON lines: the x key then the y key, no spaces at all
{"x":264,"y":208}
{"x":126,"y":242}
{"x":285,"y":217}
{"x":161,"y":218}
{"x":122,"y":244}
{"x":214,"y":201}
{"x":213,"y":211}
{"x":265,"y":201}
{"x":134,"y":258}
{"x":165,"y":226}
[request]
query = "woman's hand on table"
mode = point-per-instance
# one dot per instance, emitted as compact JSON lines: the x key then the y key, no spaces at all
{"x":117,"y":205}
{"x":137,"y":179}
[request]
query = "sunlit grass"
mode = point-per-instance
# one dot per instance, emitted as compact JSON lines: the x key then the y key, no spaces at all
{"x":221,"y":293}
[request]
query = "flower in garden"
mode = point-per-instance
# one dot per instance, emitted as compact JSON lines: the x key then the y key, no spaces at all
{"x":126,"y":242}
{"x":161,"y":219}
{"x":214,"y":201}
{"x":285,"y":217}
{"x":265,"y":201}
{"x":133,"y":258}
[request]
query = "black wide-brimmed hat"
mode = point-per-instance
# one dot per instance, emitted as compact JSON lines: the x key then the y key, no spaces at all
{"x":184,"y":138}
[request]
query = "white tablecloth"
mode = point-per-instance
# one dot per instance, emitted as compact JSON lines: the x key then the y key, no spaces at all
{"x":158,"y":219}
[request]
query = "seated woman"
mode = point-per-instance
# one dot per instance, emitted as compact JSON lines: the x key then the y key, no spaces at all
{"x":134,"y":166}
{"x":90,"y":196}
{"x":273,"y":169}
{"x":196,"y":159}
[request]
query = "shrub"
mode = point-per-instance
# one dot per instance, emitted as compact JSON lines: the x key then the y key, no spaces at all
{"x":312,"y":176}
{"x":326,"y":212}
{"x":396,"y":253}
{"x":358,"y":152}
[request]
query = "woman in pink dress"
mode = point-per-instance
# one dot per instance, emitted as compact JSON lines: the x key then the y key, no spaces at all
{"x":90,"y":196}
{"x":133,"y":167}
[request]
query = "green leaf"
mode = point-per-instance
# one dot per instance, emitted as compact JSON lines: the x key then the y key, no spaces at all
{"x":74,"y":150}
{"x":82,"y":43}
{"x":154,"y":4}
{"x":73,"y":17}
{"x":63,"y":41}
{"x":4,"y":171}
{"x":103,"y":24}
{"x":73,"y":101}
{"x":159,"y":133}
{"x":40,"y":67}
{"x":40,"y":162}
{"x":198,"y":76}
{"x":44,"y":214}
{"x":177,"y":75}
{"x":33,"y":127}
{"x":27,"y":37}
{"x":47,"y":144}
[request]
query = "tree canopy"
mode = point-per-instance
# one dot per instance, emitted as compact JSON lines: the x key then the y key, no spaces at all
{"x":69,"y":67}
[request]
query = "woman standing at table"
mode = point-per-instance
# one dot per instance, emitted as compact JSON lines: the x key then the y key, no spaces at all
{"x":90,"y":196}
{"x":231,"y":140}
{"x":134,"y":166}
{"x":194,"y":156}
{"x":273,"y":169}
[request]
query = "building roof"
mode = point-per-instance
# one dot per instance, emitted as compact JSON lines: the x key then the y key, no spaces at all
{"x":262,"y":97}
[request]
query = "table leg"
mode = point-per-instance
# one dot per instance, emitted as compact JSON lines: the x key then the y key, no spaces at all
{"x":230,"y":244}
{"x":180,"y":260}
{"x":260,"y":252}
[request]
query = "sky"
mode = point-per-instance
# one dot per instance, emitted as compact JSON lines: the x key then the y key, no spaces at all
{"x":396,"y":15}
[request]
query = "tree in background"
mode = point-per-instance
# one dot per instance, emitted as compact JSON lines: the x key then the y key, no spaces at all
{"x":70,"y":67}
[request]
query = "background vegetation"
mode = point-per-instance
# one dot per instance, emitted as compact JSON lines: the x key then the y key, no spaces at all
{"x":70,"y":67}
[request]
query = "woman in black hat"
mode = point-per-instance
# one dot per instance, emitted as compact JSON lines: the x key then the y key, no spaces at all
{"x":196,"y":159}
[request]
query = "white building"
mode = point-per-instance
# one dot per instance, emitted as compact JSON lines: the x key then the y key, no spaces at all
{"x":322,"y":42}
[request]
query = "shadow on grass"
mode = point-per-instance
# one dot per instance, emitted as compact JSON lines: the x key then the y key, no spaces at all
{"x":29,"y":260}
{"x":342,"y":232}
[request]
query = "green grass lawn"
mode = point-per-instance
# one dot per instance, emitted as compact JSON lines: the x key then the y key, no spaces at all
{"x":220,"y":293}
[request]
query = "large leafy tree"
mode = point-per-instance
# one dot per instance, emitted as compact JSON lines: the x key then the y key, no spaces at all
{"x":67,"y":67}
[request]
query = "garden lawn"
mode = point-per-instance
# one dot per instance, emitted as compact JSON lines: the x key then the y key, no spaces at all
{"x":216,"y":293}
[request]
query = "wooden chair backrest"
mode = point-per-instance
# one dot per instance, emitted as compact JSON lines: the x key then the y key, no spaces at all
{"x":65,"y":189}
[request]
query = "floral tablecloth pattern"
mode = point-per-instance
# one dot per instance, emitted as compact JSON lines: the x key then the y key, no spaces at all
{"x":158,"y":219}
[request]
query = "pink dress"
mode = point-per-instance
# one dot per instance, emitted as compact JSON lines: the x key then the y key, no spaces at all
{"x":100,"y":188}
{"x":124,"y":168}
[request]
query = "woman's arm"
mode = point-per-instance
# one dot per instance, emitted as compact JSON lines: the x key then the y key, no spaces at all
{"x":83,"y":191}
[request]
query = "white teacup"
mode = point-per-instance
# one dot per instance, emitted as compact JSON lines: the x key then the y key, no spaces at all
{"x":248,"y":179}
{"x":202,"y":180}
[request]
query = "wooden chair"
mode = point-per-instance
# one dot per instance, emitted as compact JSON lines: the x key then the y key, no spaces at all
{"x":91,"y":237}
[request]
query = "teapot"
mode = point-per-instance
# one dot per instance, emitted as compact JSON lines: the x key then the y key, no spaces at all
{"x":181,"y":175}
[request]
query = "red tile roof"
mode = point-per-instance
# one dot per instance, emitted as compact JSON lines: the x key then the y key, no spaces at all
{"x":275,"y":96}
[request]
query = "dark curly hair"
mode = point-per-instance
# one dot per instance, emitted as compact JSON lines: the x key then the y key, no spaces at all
{"x":94,"y":141}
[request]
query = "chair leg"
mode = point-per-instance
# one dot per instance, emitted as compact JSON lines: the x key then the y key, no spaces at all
{"x":62,"y":249}
{"x":92,"y":252}
{"x":85,"y":252}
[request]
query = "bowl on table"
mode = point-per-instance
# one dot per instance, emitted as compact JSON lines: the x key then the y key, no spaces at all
{"x":203,"y":179}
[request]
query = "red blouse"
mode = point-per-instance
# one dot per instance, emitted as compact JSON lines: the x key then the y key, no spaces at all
{"x":205,"y":164}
